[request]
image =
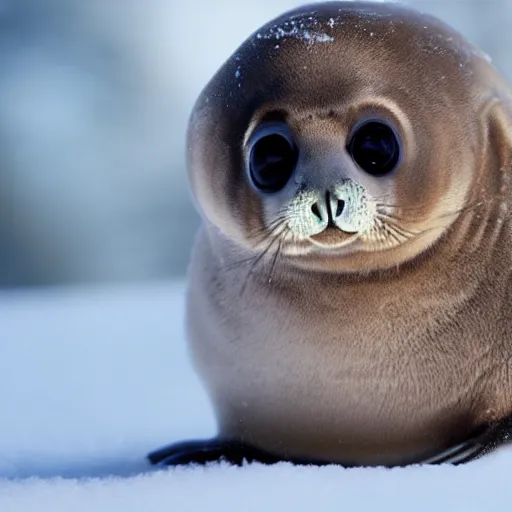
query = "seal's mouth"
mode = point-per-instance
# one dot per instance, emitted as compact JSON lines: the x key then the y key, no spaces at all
{"x":332,"y":236}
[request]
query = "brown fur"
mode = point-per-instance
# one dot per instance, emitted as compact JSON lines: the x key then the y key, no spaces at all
{"x":363,"y":352}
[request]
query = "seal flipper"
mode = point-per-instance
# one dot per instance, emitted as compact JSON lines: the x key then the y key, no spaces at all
{"x":488,"y":439}
{"x":459,"y":454}
{"x":207,"y":451}
{"x":485,"y":440}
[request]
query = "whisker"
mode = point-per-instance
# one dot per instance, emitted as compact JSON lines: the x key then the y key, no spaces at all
{"x":277,"y":254}
{"x":405,"y":233}
{"x":258,"y":258}
{"x":392,"y":233}
{"x":397,"y":234}
{"x":244,"y":261}
{"x":467,"y":208}
{"x":263,"y":232}
{"x":388,"y":232}
{"x":397,"y":207}
{"x":386,"y":219}
{"x":393,"y":221}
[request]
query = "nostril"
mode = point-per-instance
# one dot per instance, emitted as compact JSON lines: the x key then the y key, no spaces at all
{"x":316,"y":211}
{"x":339,"y":207}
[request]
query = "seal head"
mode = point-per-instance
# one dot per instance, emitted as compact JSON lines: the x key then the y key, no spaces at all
{"x":348,"y":128}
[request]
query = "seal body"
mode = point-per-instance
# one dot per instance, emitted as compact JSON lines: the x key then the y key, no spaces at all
{"x":361,"y":312}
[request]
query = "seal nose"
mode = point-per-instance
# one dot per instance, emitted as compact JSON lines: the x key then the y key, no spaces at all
{"x":328,"y":209}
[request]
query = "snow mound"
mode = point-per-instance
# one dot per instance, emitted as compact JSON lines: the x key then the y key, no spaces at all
{"x":92,"y":379}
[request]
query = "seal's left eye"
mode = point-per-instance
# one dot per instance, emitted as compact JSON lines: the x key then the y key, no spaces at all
{"x":375,"y":148}
{"x":273,"y":157}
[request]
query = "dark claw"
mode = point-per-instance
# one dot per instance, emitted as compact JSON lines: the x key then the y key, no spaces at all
{"x":213,"y":450}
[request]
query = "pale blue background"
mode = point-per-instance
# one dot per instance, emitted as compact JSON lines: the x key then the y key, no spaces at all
{"x":94,"y":99}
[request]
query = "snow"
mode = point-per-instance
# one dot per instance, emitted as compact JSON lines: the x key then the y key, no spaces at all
{"x":304,"y":27}
{"x":92,"y":379}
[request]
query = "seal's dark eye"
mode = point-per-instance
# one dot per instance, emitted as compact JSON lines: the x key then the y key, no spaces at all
{"x":273,"y":157}
{"x":375,"y":148}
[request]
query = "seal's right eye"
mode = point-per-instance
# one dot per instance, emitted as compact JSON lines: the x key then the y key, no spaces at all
{"x":273,"y":156}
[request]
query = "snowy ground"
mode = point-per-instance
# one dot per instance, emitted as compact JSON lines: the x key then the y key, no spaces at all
{"x":92,"y":379}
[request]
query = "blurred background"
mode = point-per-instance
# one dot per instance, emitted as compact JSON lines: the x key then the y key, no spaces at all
{"x":94,"y":101}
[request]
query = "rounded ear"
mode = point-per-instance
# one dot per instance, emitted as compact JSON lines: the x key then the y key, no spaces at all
{"x":494,"y":149}
{"x":498,"y":146}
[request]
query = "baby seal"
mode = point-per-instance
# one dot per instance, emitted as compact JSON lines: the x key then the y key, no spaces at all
{"x":350,"y":291}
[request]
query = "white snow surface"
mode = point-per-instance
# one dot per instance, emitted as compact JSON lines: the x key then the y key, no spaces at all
{"x":92,"y":379}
